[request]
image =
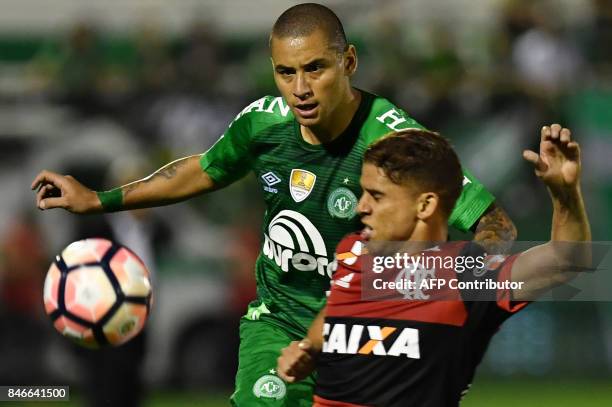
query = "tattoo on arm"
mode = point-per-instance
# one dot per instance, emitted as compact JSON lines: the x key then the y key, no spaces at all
{"x":495,"y":231}
{"x":168,"y":172}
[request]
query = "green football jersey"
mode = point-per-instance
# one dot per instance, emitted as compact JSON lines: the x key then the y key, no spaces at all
{"x":311,"y":194}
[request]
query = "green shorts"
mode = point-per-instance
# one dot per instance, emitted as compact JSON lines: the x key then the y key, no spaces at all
{"x":256,"y":381}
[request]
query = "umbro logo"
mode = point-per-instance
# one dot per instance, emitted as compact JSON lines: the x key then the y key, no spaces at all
{"x":270,"y":179}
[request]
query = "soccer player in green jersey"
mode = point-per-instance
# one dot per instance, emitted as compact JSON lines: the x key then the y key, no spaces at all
{"x":306,"y":150}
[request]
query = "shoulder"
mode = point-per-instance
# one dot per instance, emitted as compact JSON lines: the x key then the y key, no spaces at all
{"x":263,"y":112}
{"x":350,"y":249}
{"x":385,"y":117}
{"x":348,"y":241}
{"x":469,"y":248}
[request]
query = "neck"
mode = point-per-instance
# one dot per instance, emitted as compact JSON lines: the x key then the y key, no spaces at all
{"x":338,"y":123}
{"x":432,"y":230}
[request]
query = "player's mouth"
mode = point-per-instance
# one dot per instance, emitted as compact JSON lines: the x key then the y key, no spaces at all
{"x":366,"y":233}
{"x":307,"y":110}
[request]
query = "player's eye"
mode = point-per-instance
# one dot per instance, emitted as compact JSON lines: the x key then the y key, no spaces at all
{"x":313,"y":67}
{"x":285,"y":71}
{"x":375,"y":195}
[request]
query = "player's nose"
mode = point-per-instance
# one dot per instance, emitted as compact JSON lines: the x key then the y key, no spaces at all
{"x":363,"y":206}
{"x":302,"y":89}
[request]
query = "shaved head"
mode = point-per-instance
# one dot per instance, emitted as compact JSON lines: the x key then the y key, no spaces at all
{"x":304,"y":19}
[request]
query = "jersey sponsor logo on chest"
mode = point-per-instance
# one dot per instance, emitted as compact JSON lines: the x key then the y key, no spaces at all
{"x":349,"y":339}
{"x":293,"y":241}
{"x":301,"y":184}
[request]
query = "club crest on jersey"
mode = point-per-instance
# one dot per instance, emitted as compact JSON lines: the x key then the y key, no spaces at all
{"x":342,"y":203}
{"x":301,"y":184}
{"x":269,"y":386}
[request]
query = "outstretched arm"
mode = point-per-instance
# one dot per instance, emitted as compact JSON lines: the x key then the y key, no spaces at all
{"x":543,"y":267}
{"x":172,"y":183}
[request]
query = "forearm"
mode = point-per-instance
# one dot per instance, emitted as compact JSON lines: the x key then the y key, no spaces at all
{"x":315,"y":332}
{"x":174,"y":182}
{"x":570,"y":222}
{"x":495,"y":230}
{"x":564,"y":257}
{"x":569,"y":252}
{"x":571,"y":232}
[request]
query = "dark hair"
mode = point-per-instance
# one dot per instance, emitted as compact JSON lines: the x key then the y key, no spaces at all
{"x":303,"y":19}
{"x":423,"y":158}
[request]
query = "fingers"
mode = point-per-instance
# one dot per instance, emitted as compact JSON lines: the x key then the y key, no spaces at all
{"x":281,"y":373}
{"x":50,"y":203}
{"x":51,"y":190}
{"x":295,"y":361}
{"x":40,"y":179}
{"x":555,"y":132}
{"x":47,"y":177}
{"x":285,"y":368}
{"x":561,"y":141}
{"x":565,"y":136}
{"x":535,"y":159}
{"x":44,"y":191}
{"x":545,"y":133}
{"x":305,"y":345}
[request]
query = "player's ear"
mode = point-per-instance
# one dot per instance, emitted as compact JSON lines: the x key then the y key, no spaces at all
{"x":350,"y":60}
{"x":427,"y":204}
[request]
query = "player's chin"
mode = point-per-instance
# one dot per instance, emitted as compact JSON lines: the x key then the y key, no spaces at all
{"x":307,"y":121}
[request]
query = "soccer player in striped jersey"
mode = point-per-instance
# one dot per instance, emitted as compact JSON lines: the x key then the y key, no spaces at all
{"x":420,"y":346}
{"x":305,"y":148}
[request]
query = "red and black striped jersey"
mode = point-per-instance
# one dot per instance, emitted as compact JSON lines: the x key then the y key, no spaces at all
{"x":409,"y":350}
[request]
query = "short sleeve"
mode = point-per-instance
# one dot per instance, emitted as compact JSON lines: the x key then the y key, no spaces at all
{"x":229,"y":159}
{"x":474,"y":200}
{"x":492,"y":305}
{"x":472,"y":203}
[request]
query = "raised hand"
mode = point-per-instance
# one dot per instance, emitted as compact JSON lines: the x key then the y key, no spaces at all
{"x":63,"y":191}
{"x":558,"y":163}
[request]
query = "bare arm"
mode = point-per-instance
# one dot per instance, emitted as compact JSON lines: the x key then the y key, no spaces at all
{"x":176,"y":181}
{"x":495,"y":231}
{"x":545,"y":266}
{"x":315,"y":332}
{"x":297,"y":360}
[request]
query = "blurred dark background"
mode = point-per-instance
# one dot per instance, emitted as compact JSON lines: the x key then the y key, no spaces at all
{"x":109,"y":91}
